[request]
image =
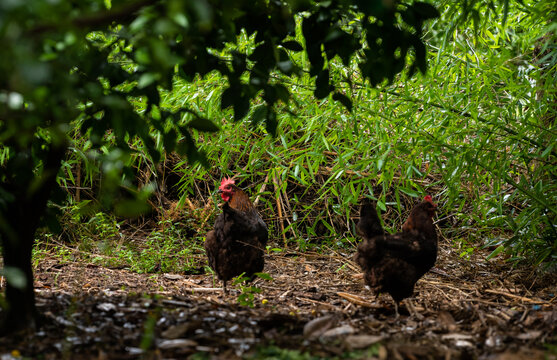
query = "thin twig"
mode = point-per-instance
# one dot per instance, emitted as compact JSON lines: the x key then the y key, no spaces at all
{"x":279,"y":207}
{"x":504,"y":293}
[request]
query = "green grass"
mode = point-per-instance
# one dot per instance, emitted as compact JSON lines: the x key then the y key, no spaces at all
{"x":277,"y":353}
{"x":101,"y":240}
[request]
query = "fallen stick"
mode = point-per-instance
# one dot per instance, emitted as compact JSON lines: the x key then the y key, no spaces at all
{"x":202,"y":289}
{"x":315,"y":302}
{"x":499,"y":292}
{"x":358,"y":300}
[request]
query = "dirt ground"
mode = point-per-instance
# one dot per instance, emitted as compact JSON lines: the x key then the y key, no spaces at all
{"x":315,"y":304}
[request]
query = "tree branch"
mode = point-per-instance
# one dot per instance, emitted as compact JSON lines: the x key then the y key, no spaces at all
{"x":98,"y":20}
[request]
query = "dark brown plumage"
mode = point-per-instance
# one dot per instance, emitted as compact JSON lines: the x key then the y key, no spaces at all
{"x":394,"y":263}
{"x":237,"y":243}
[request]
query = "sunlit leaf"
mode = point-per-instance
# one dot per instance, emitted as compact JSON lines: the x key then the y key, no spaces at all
{"x":495,"y":252}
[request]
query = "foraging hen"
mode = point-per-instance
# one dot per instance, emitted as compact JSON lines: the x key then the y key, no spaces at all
{"x":394,"y":263}
{"x":236,"y":244}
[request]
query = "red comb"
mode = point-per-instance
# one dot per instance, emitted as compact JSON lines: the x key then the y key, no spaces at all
{"x":225,"y":181}
{"x":428,"y":198}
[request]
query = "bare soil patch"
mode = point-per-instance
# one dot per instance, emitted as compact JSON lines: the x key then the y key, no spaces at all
{"x":462,"y":309}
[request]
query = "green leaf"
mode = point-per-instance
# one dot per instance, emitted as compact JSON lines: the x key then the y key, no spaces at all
{"x":198,"y":156}
{"x":241,"y":107}
{"x":264,"y":55}
{"x":292,"y":45}
{"x":131,"y":208}
{"x":188,"y":147}
{"x":322,"y":87}
{"x":282,"y":93}
{"x":240,"y":279}
{"x":286,"y":67}
{"x":381,"y":160}
{"x":236,"y":96}
{"x":147,"y":79}
{"x":169,"y":139}
{"x":495,"y":252}
{"x":410,"y":192}
{"x":203,"y":124}
{"x":258,"y":115}
{"x":270,"y":94}
{"x":227,"y":98}
{"x":52,"y":221}
{"x":238,"y":62}
{"x":15,"y":277}
{"x":264,"y":276}
{"x":425,"y":10}
{"x":548,"y":150}
{"x":505,"y":12}
{"x":344,"y":100}
{"x":271,"y":123}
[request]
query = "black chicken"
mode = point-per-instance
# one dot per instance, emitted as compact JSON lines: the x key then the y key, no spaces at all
{"x":394,"y":263}
{"x":237,"y":243}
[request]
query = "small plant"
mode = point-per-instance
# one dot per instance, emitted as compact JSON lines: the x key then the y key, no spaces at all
{"x":247,"y":296}
{"x":273,"y":249}
{"x":274,"y":352}
{"x":464,"y":247}
{"x":148,"y":337}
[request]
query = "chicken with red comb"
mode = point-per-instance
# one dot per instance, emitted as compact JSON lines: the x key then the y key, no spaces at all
{"x":394,"y":263}
{"x":236,"y":244}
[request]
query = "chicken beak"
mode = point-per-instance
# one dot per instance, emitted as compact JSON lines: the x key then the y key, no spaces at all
{"x":219,"y":191}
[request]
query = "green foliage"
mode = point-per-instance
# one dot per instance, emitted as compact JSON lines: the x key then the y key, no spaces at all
{"x":275,"y":352}
{"x":477,"y":132}
{"x":149,"y":327}
{"x":247,"y":297}
{"x":90,"y":233}
{"x":489,"y":92}
{"x":165,"y":251}
{"x":15,"y":276}
{"x":110,"y":76}
{"x":103,"y":240}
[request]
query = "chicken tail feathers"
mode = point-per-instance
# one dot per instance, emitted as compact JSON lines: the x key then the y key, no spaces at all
{"x":369,"y":224}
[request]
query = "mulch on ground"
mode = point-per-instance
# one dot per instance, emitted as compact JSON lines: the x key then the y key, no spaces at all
{"x":316,"y":304}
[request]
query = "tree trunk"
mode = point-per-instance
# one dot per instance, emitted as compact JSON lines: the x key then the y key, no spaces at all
{"x":21,"y":312}
{"x":19,"y":221}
